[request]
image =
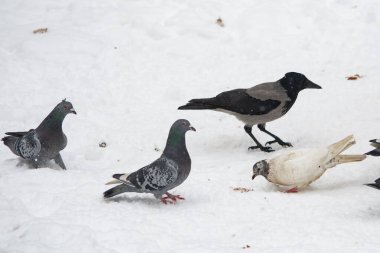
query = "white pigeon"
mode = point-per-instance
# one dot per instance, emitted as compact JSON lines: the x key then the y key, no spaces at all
{"x":299,"y":168}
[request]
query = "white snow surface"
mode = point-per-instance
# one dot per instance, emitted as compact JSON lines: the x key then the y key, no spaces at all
{"x":126,"y":66}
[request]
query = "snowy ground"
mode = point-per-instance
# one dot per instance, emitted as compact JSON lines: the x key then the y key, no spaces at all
{"x":126,"y":65}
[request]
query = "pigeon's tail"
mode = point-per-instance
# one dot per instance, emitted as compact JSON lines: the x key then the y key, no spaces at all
{"x":118,"y":190}
{"x":199,"y":104}
{"x":344,"y":159}
{"x":375,"y":152}
{"x":10,"y":141}
{"x":349,"y":158}
{"x":119,"y":179}
{"x":340,"y":146}
{"x":375,"y":185}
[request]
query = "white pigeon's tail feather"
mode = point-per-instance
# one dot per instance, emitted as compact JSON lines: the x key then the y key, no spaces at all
{"x":344,"y":159}
{"x":349,"y":158}
{"x":340,"y":146}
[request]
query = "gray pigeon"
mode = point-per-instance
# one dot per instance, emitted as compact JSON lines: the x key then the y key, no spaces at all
{"x":257,"y":105}
{"x":45,"y":142}
{"x":165,"y":173}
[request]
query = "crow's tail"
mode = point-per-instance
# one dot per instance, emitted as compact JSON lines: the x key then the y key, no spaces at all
{"x":199,"y":104}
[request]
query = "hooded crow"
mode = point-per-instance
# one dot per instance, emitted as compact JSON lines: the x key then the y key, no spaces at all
{"x":257,"y":105}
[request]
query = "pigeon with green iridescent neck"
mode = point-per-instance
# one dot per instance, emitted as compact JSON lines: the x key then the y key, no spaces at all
{"x":165,"y":173}
{"x":44,"y":143}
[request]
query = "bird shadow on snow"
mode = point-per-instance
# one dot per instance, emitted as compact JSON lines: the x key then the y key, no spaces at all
{"x":22,"y":163}
{"x":145,"y":200}
{"x":370,"y":213}
{"x":332,"y":186}
{"x":311,"y":188}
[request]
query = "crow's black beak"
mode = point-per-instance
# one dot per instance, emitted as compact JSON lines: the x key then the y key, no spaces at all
{"x":192,"y":128}
{"x":73,"y":111}
{"x":311,"y":85}
{"x":253,"y":176}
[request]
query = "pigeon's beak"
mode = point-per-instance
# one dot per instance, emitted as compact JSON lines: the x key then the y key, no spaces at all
{"x":311,"y":85}
{"x":192,"y":128}
{"x":73,"y":111}
{"x":253,"y":176}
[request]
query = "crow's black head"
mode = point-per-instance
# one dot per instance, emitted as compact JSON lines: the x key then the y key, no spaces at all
{"x":296,"y":82}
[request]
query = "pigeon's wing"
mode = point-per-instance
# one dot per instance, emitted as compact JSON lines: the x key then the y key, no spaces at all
{"x":298,"y":168}
{"x":156,"y":176}
{"x":240,"y":101}
{"x":28,"y":146}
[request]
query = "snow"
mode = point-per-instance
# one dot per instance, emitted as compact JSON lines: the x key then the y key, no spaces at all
{"x":127,"y":65}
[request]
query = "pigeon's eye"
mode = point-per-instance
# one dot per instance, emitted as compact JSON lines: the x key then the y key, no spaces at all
{"x":184,"y":123}
{"x":66,"y":107}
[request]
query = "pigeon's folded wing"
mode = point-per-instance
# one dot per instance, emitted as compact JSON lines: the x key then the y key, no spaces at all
{"x":28,"y":146}
{"x":156,"y":176}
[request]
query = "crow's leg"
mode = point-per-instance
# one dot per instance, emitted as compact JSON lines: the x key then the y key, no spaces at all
{"x":276,"y":138}
{"x":58,"y":160}
{"x":248,"y":130}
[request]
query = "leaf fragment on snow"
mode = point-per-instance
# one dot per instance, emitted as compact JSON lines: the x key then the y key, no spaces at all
{"x":242,"y":189}
{"x":40,"y":30}
{"x":354,"y":77}
{"x":219,"y":21}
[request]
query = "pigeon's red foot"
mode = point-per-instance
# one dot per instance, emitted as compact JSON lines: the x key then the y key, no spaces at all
{"x":292,"y":190}
{"x":166,"y":201}
{"x":170,"y":198}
